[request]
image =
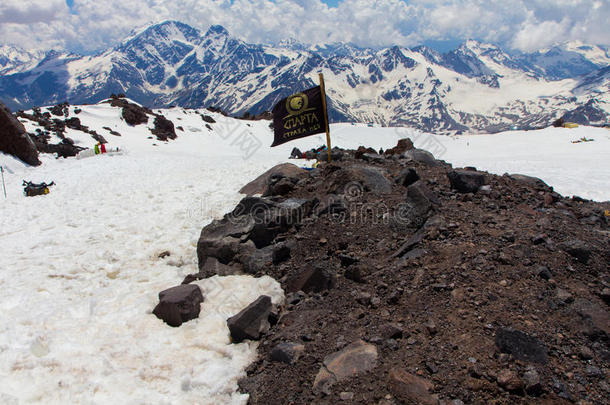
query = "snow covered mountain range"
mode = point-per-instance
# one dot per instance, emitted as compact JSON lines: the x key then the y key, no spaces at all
{"x":475,"y":88}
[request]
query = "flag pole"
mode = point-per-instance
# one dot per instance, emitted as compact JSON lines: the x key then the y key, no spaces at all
{"x":3,"y":186}
{"x":323,"y":90}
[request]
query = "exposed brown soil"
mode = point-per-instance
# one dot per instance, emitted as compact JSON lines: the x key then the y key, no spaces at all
{"x":514,"y":256}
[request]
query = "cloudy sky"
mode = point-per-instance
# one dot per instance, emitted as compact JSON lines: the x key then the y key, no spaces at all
{"x":91,"y":25}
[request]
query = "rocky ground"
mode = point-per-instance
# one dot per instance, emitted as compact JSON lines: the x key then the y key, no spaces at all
{"x":409,"y":282}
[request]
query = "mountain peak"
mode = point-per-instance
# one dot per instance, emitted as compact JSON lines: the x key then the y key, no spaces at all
{"x":217,"y":30}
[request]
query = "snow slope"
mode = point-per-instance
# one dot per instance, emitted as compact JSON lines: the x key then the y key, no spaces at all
{"x":81,"y":271}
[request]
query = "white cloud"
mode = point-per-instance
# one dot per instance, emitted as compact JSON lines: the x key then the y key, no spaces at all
{"x":524,"y":24}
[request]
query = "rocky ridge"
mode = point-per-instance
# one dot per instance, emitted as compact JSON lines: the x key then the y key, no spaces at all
{"x":409,"y":281}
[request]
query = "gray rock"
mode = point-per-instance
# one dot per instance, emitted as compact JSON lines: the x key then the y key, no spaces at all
{"x":373,"y":158}
{"x":534,"y":182}
{"x":564,"y":296}
{"x":251,"y":322}
{"x":543,"y":272}
{"x":419,"y":203}
{"x":212,"y":267}
{"x":260,"y":184}
{"x":179,"y":304}
{"x":421,"y":156}
{"x":373,"y":179}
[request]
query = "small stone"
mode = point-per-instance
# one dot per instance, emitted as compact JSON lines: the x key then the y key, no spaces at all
{"x":431,"y":327}
{"x":539,"y":239}
{"x":363,"y":298}
{"x":605,"y":295}
{"x":564,"y":296}
{"x":431,"y":367}
{"x":510,"y":381}
{"x":287,"y":352}
{"x":593,"y":371}
{"x":315,"y":278}
{"x":323,"y":241}
{"x":531,"y":380}
{"x":577,"y":249}
{"x":357,"y":358}
{"x":521,"y":345}
{"x":585,"y":353}
{"x":391,"y":331}
{"x":543,"y":272}
{"x":411,"y":389}
{"x":346,"y":396}
{"x":503,"y":283}
{"x":356,"y":273}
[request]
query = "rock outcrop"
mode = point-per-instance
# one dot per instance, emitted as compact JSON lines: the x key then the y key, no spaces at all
{"x":491,"y":290}
{"x":14,"y":140}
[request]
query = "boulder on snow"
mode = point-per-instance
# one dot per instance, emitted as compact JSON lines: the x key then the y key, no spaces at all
{"x":164,"y":128}
{"x":179,"y":304}
{"x":14,"y":140}
{"x":251,"y":322}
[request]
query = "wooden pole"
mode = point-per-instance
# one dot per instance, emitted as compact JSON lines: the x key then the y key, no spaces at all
{"x":323,"y":90}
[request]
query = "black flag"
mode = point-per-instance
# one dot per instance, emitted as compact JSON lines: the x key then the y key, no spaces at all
{"x":300,"y":115}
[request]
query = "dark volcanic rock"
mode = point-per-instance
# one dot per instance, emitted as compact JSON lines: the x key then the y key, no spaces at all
{"x":407,"y":177}
{"x":534,"y":182}
{"x":179,"y":304}
{"x":401,"y":147}
{"x":446,"y":273}
{"x":134,"y":115}
{"x":14,"y":140}
{"x":252,"y":322}
{"x":466,"y":181}
{"x":164,"y":128}
{"x":362,"y":150}
{"x":577,"y":249}
{"x":287,"y":352}
{"x":314,"y":278}
{"x":355,"y":180}
{"x":521,"y":345}
{"x":419,"y":203}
